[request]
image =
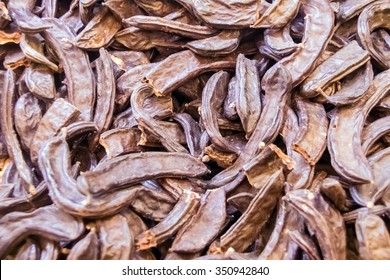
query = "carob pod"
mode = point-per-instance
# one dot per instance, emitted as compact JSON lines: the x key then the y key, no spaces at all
{"x":32,"y":48}
{"x":230,"y":14}
{"x":322,"y":220}
{"x":277,"y":43}
{"x":374,"y":16}
{"x":87,"y":248}
{"x":27,"y":114}
{"x":278,"y":14}
{"x":373,"y":237}
{"x":345,"y":61}
{"x":280,"y":246}
{"x":302,"y":173}
{"x":184,"y":209}
{"x":368,"y":194}
{"x":223,"y":43}
{"x":13,"y":146}
{"x":353,"y":87}
{"x":59,"y":115}
{"x":99,"y":31}
{"x":344,"y":140}
{"x":242,"y":233}
{"x":22,"y":13}
{"x":116,"y":241}
{"x":277,"y":86}
{"x":211,"y":215}
{"x":170,"y":26}
{"x":54,"y":163}
{"x":319,"y":19}
{"x":80,"y":80}
{"x":248,"y":101}
{"x":105,"y":100}
{"x":49,"y":222}
{"x":213,"y":96}
{"x":145,"y":166}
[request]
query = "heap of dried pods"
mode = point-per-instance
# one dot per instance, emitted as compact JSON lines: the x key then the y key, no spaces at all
{"x":183,"y":129}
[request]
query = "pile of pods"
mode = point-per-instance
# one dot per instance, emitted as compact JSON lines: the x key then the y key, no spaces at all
{"x":183,"y":129}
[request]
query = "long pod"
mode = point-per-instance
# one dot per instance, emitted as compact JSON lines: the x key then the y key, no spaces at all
{"x":123,"y":9}
{"x":224,"y":14}
{"x":54,"y":163}
{"x":277,"y":43}
{"x":374,"y":131}
{"x":153,"y":204}
{"x":51,"y":7}
{"x":170,"y":26}
{"x":127,"y":82}
{"x":381,"y":43}
{"x":278,"y":14}
{"x":350,"y":8}
{"x":80,"y":80}
{"x":24,"y":202}
{"x":22,"y":13}
{"x":306,"y":244}
{"x":279,"y":245}
{"x":302,"y":173}
{"x":319,"y":18}
{"x":277,"y":86}
{"x":229,"y":106}
{"x":9,"y":133}
{"x":247,"y":228}
{"x":59,"y":115}
{"x":171,"y":129}
{"x":344,"y":139}
{"x":137,"y":39}
{"x":49,"y":249}
{"x":177,"y":68}
{"x":262,"y":166}
{"x":145,"y":166}
{"x":323,"y":221}
{"x":28,"y":251}
{"x":353,"y":86}
{"x":351,"y":216}
{"x":115,"y":238}
{"x":120,"y":141}
{"x":106,"y":91}
{"x":207,"y":222}
{"x":137,"y":226}
{"x":49,"y":222}
{"x":27,"y":114}
{"x":368,"y":194}
{"x":223,"y":43}
{"x":374,"y":16}
{"x":340,"y":64}
{"x":32,"y":48}
{"x":40,"y":81}
{"x":248,"y":102}
{"x":373,"y":237}
{"x":87,"y":248}
{"x":99,"y":31}
{"x":159,"y":7}
{"x":334,"y":191}
{"x":213,"y":96}
{"x":192,"y":132}
{"x":80,"y":128}
{"x":180,"y":214}
{"x":138,"y":99}
{"x":310,"y":140}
